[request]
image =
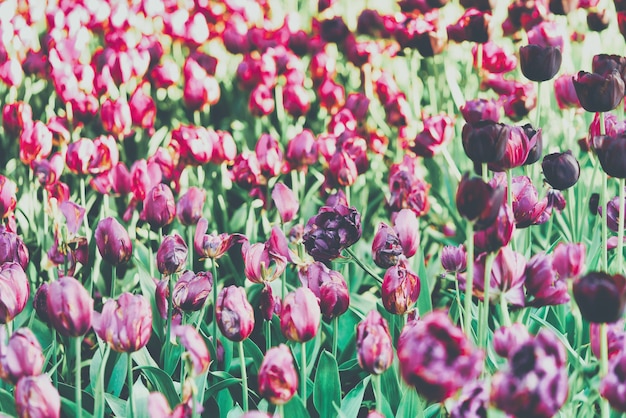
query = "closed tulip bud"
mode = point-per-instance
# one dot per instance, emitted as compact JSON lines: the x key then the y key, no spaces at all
{"x":70,"y":308}
{"x":12,"y":248}
{"x":8,"y":196}
{"x":498,"y":234}
{"x":278,"y":379}
{"x":543,"y":284}
{"x":406,"y":226}
{"x":126,"y":323}
{"x":386,"y":247}
{"x":196,"y":349}
{"x":474,"y":111}
{"x":161,"y":295}
{"x":561,"y":170}
{"x":191,"y":290}
{"x":159,"y":207}
{"x":453,"y":259}
{"x":172,"y":254}
{"x":478,"y":201}
{"x":14,"y":291}
{"x":142,"y":108}
{"x":611,"y":152}
{"x":116,"y":117}
{"x":268,"y":303}
{"x":113,"y":241}
{"x":261,"y":101}
{"x":599,"y":93}
{"x":597,"y":20}
{"x":22,"y":356}
{"x":400,"y":288}
{"x":286,"y":202}
{"x":300,"y":315}
{"x":189,"y":206}
{"x":35,"y":396}
{"x":334,"y":296}
{"x":540,"y":63}
{"x":302,"y":150}
{"x":600,"y":296}
{"x":374,"y":347}
{"x":234,"y":314}
{"x":485,"y":141}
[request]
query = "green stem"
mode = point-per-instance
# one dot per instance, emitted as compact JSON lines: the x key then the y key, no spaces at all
{"x":335,"y":335}
{"x":214,"y":271}
{"x":509,"y":198}
{"x":244,"y":377}
{"x":604,"y":367}
{"x":504,"y":307}
{"x":77,"y":378}
{"x":469,"y":280}
{"x":113,"y":279}
{"x":363,"y":266}
{"x":83,"y":200}
{"x":55,"y":373}
{"x":130,"y":384}
{"x":281,"y":412}
{"x":605,"y":232}
{"x":484,"y":322}
{"x":168,"y":342}
{"x":485,"y":172}
{"x":150,"y":253}
{"x":268,"y":335}
{"x":620,"y":229}
{"x":479,"y":57}
{"x":538,"y":108}
{"x":378,"y":393}
{"x":190,"y":245}
{"x":303,"y":373}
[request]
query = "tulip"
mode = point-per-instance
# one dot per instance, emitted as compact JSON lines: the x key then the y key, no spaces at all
{"x":565,"y":92}
{"x":80,"y":155}
{"x":234,"y":314}
{"x":474,"y":111}
{"x":543,"y":283}
{"x":35,"y":142}
{"x":113,"y":241}
{"x":386,"y":247}
{"x":142,"y":108}
{"x":126,"y":323}
{"x":438,"y":130}
{"x":40,"y":303}
{"x":270,"y":155}
{"x":597,"y":20}
{"x":611,"y":152}
{"x":437,"y":377}
{"x":330,"y":231}
{"x":70,"y":308}
{"x":116,"y":117}
{"x":296,"y":100}
{"x":302,"y":150}
{"x":286,"y":202}
{"x":171,"y":255}
{"x":334,"y":296}
{"x":261,"y":101}
{"x":615,"y":335}
{"x":189,"y":206}
{"x":191,"y":290}
{"x":196,"y":349}
{"x":8,"y":196}
{"x":194,"y":144}
{"x":406,"y":226}
{"x":21,"y":357}
{"x":495,"y":60}
{"x":453,"y":259}
{"x":473,"y":26}
{"x":604,"y":64}
{"x":373,"y":344}
{"x":36,"y":397}
{"x":408,"y":189}
{"x":265,"y":262}
{"x":400,"y":288}
{"x":12,"y":248}
{"x":472,"y":402}
{"x":16,"y":116}
{"x":527,"y":208}
{"x":478,"y":201}
{"x":268,"y":302}
{"x":561,"y":170}
{"x":507,"y":339}
{"x":568,"y":260}
{"x":300,"y":315}
{"x":613,"y":385}
{"x":485,"y":141}
{"x":600,"y":296}
{"x":159,"y":208}
{"x":212,"y":246}
{"x":278,"y":379}
{"x":14,"y":291}
{"x":598,"y":93}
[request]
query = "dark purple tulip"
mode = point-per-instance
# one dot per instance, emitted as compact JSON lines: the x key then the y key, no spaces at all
{"x":12,"y":248}
{"x":611,"y":152}
{"x":543,"y":283}
{"x":536,"y":371}
{"x":597,"y":20}
{"x":40,"y":303}
{"x":278,"y":379}
{"x":126,"y":323}
{"x":535,"y":139}
{"x":599,"y":93}
{"x":539,"y":63}
{"x":498,"y":234}
{"x":437,"y":377}
{"x":22,"y":356}
{"x":172,"y":254}
{"x":334,"y":296}
{"x":269,"y":303}
{"x":113,"y":241}
{"x":374,"y":347}
{"x":613,"y":385}
{"x":330,"y":231}
{"x":473,"y":26}
{"x":478,"y":201}
{"x":474,"y":111}
{"x":386,"y":246}
{"x":600,"y":296}
{"x":189,"y":206}
{"x":159,"y":207}
{"x":400,"y":289}
{"x":196,"y":349}
{"x":473,"y":402}
{"x":561,"y":169}
{"x":70,"y":308}
{"x":191,"y":290}
{"x":300,"y":315}
{"x":14,"y":291}
{"x":604,"y":64}
{"x":563,"y":7}
{"x":483,"y":5}
{"x":556,"y":200}
{"x":516,"y":151}
{"x":485,"y":141}
{"x":453,"y":259}
{"x":36,"y":397}
{"x":234,"y":314}
{"x":507,"y":339}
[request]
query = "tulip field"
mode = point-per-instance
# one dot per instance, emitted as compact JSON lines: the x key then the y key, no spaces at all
{"x":312,"y":208}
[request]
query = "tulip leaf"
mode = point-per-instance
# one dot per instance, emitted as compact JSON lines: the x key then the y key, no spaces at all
{"x":391,"y":386}
{"x":70,"y":409}
{"x":327,"y":387}
{"x":118,"y":375}
{"x":424,"y":303}
{"x":162,"y":382}
{"x":7,"y":404}
{"x":410,"y":405}
{"x":351,"y":403}
{"x":97,"y":379}
{"x":252,"y":350}
{"x":226,"y":383}
{"x":117,"y":405}
{"x":295,"y":408}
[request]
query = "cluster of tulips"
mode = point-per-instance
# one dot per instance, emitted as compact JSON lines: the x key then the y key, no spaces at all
{"x":256,"y":209}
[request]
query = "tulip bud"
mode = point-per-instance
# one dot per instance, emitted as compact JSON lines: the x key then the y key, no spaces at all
{"x":453,"y":259}
{"x":269,"y":303}
{"x":278,"y":379}
{"x":300,"y":315}
{"x":125,"y":323}
{"x":474,"y":111}
{"x":485,"y":141}
{"x":70,"y":308}
{"x":540,"y":63}
{"x":171,"y":255}
{"x":286,"y":202}
{"x":386,"y":246}
{"x":191,"y":290}
{"x":14,"y":291}
{"x":302,"y":150}
{"x":142,"y":108}
{"x":561,"y":170}
{"x":334,"y":296}
{"x":373,"y":344}
{"x":36,"y":397}
{"x":400,"y":288}
{"x":22,"y":356}
{"x":196,"y":349}
{"x":611,"y":152}
{"x":234,"y":314}
{"x":12,"y":248}
{"x":568,"y":260}
{"x":116,"y":117}
{"x":565,"y":92}
{"x":113,"y":241}
{"x":159,"y":208}
{"x":406,"y":226}
{"x":599,"y":93}
{"x":478,"y":201}
{"x":600,"y":296}
{"x":189,"y":206}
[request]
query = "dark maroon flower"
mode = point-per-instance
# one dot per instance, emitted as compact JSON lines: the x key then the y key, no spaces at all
{"x":604,"y":64}
{"x":400,"y":288}
{"x":438,"y":130}
{"x":234,"y":314}
{"x":474,"y":111}
{"x":599,"y":93}
{"x":70,"y":308}
{"x":600,"y":296}
{"x":611,"y":152}
{"x":561,"y":169}
{"x":597,"y":20}
{"x":113,"y":241}
{"x":331,"y":231}
{"x":543,"y":283}
{"x":373,"y":344}
{"x":478,"y":201}
{"x":171,"y":255}
{"x":498,"y":233}
{"x":125,"y":323}
{"x":485,"y":141}
{"x":517,"y":149}
{"x":159,"y":207}
{"x":473,"y":26}
{"x":40,"y":303}
{"x":278,"y":379}
{"x":191,"y":290}
{"x":407,"y":187}
{"x":189,"y":206}
{"x":333,"y":30}
{"x":300,"y":315}
{"x":36,"y":397}
{"x":456,"y":363}
{"x":613,"y":384}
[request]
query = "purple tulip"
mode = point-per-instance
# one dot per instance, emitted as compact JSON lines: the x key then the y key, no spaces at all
{"x":14,"y":291}
{"x":386,"y":247}
{"x":189,"y":206}
{"x":125,"y":323}
{"x":286,"y":202}
{"x":234,"y":314}
{"x":400,"y":288}
{"x":159,"y":207}
{"x":265,"y":262}
{"x":507,"y":339}
{"x":113,"y":242}
{"x":278,"y":379}
{"x":478,"y":201}
{"x":453,"y":259}
{"x":195,"y":346}
{"x":191,"y":290}
{"x":22,"y":356}
{"x":36,"y":397}
{"x":212,"y":246}
{"x":600,"y":296}
{"x":374,"y":347}
{"x":334,"y":296}
{"x":543,"y":283}
{"x":300,"y":315}
{"x":330,"y":231}
{"x":473,"y":401}
{"x":171,"y":255}
{"x":568,"y":260}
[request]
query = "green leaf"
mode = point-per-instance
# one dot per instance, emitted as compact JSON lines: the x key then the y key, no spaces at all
{"x":411,"y":405}
{"x":117,"y":405}
{"x":295,"y":408}
{"x":327,"y":387}
{"x":391,"y":386}
{"x":424,"y":303}
{"x":351,"y":403}
{"x":223,"y":384}
{"x":163,"y":383}
{"x":118,"y":375}
{"x":253,"y":351}
{"x":98,"y":381}
{"x":69,"y":409}
{"x":7,"y":403}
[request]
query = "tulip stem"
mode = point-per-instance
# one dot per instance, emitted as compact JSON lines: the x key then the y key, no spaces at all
{"x":150,"y":252}
{"x":538,"y":108}
{"x":620,"y":229}
{"x":77,"y":383}
{"x":280,"y":410}
{"x":378,"y":393}
{"x":168,"y":342}
{"x":244,"y":377}
{"x":604,"y":367}
{"x":335,"y":335}
{"x":190,"y":245}
{"x":504,"y":307}
{"x":605,"y":232}
{"x":363,"y":266}
{"x":214,"y":271}
{"x":130,"y":384}
{"x":113,"y":278}
{"x":485,"y":172}
{"x":469,"y":281}
{"x":268,"y":335}
{"x":484,"y":323}
{"x":509,"y":197}
{"x":303,"y":373}
{"x":83,"y":200}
